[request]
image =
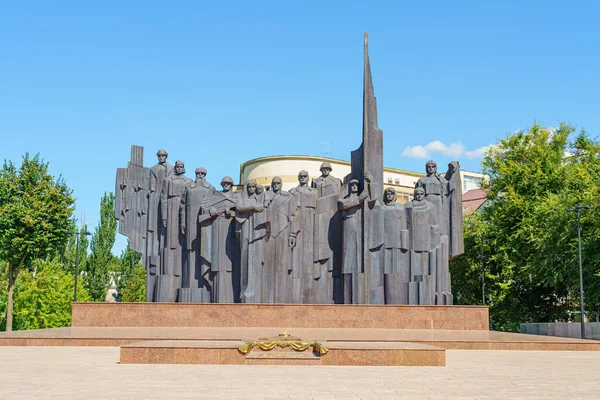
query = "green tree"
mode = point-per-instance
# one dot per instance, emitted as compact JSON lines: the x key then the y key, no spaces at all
{"x":34,"y":217}
{"x":529,"y":240}
{"x":100,"y":263}
{"x":130,"y":277}
{"x":133,"y":288}
{"x":3,"y":294}
{"x":43,"y":296}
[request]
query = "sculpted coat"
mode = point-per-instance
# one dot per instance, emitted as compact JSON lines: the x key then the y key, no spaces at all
{"x":435,"y":187}
{"x":363,"y":277}
{"x":396,"y":241}
{"x":156,"y":231}
{"x":327,"y":185}
{"x":220,"y":249}
{"x":158,"y":174}
{"x":193,"y":268}
{"x":278,"y":284}
{"x":352,"y":244}
{"x":327,"y":241}
{"x":250,"y":228}
{"x":302,"y":254}
{"x":424,"y":241}
{"x":396,"y":255}
{"x":170,"y":202}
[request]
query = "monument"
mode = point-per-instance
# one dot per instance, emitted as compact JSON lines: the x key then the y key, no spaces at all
{"x":324,"y":242}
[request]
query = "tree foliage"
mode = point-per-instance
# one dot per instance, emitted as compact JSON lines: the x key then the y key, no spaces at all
{"x":34,"y":217}
{"x":529,"y":240}
{"x":43,"y":296}
{"x":100,"y":263}
{"x":130,"y":277}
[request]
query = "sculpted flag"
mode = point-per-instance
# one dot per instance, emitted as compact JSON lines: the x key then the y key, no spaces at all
{"x":132,"y":208}
{"x":131,"y":200}
{"x":367,"y":284}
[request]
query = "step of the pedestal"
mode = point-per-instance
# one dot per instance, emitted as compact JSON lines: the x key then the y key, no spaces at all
{"x":335,"y":316}
{"x":447,"y":339}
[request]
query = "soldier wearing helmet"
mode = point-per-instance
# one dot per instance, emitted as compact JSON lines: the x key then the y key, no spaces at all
{"x":326,"y":184}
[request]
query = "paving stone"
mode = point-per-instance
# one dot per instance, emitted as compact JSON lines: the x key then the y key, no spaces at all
{"x":94,"y":373}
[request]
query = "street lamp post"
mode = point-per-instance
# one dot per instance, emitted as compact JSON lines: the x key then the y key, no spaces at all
{"x":77,"y":260}
{"x":578,"y":209}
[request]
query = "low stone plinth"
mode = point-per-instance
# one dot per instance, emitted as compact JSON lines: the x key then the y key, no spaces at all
{"x":226,"y":352}
{"x":280,"y":315}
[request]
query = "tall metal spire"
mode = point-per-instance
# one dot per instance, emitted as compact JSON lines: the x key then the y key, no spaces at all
{"x":371,"y":150}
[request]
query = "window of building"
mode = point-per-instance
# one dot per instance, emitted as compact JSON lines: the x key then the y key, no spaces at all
{"x":471,"y":182}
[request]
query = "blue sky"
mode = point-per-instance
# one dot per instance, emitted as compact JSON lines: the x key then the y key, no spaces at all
{"x":219,"y":83}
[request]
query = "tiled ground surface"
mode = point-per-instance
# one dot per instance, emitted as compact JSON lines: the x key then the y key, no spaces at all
{"x":94,"y":373}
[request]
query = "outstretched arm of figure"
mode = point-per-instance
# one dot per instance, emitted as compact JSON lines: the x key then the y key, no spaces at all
{"x":243,"y":206}
{"x":247,"y":206}
{"x":369,"y":187}
{"x":182,"y":212}
{"x":163,"y":202}
{"x":152,"y":184}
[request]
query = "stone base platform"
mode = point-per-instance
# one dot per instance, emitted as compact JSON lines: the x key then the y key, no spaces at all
{"x":446,"y":339}
{"x":226,"y":352}
{"x":356,"y":334}
{"x":278,"y":315}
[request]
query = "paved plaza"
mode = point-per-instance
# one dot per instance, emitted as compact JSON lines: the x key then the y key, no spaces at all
{"x":94,"y":373}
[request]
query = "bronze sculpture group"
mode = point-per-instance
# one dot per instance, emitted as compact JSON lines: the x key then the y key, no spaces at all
{"x":322,"y":242}
{"x":299,"y":246}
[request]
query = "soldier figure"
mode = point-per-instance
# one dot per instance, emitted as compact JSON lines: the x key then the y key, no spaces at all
{"x":277,"y":278}
{"x":302,"y":255}
{"x":326,"y":184}
{"x":156,"y":230}
{"x":351,"y":237}
{"x":424,"y":239}
{"x":396,"y":258}
{"x":195,"y":286}
{"x":327,"y":240}
{"x":250,"y":227}
{"x":172,"y":253}
{"x":219,"y":247}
